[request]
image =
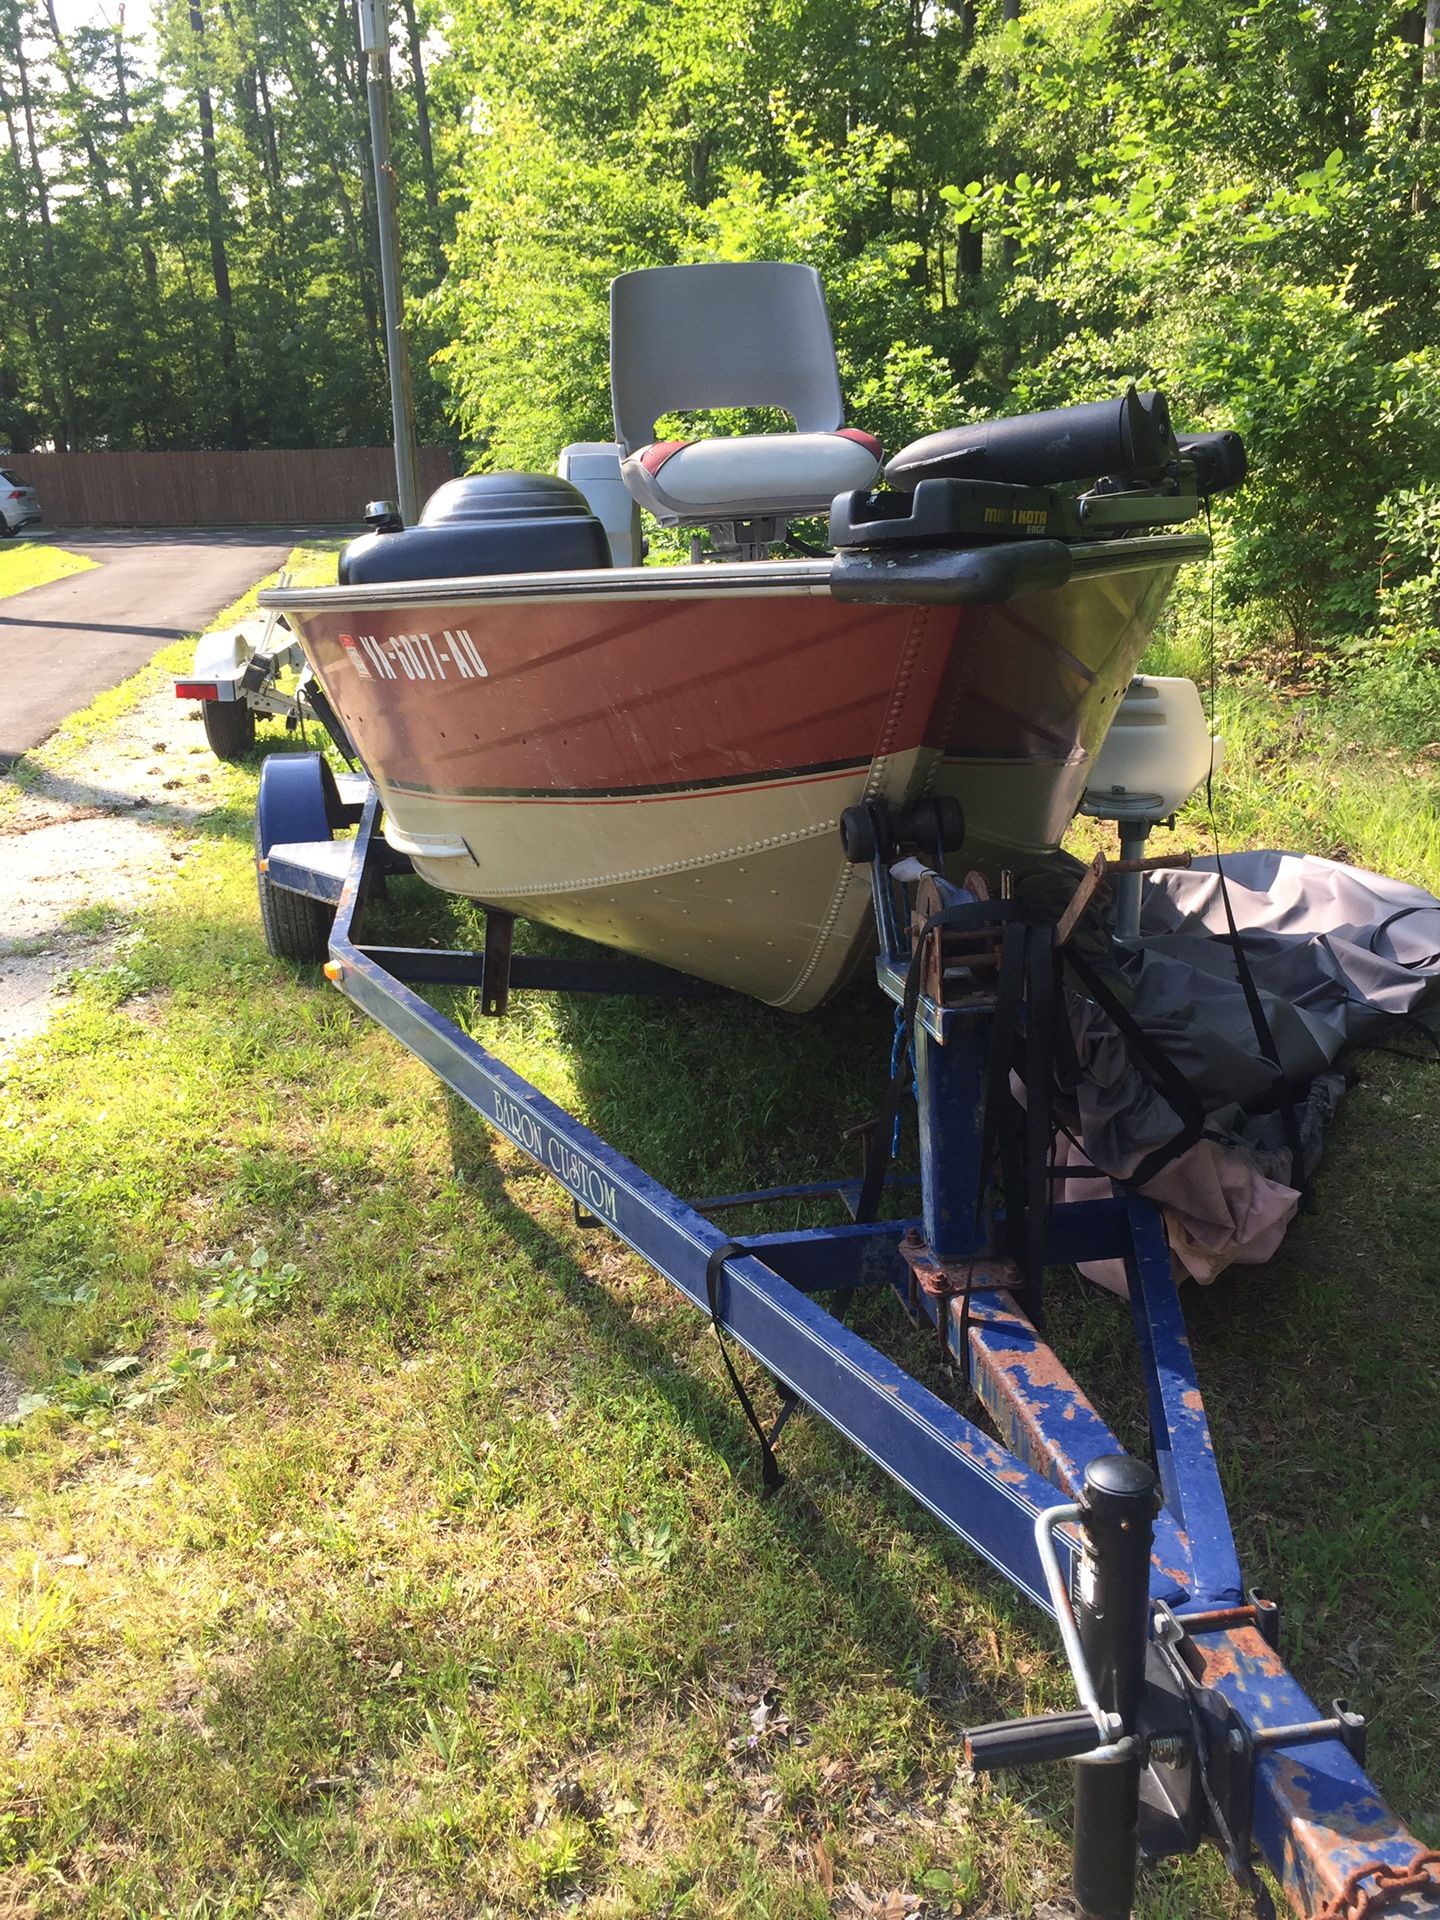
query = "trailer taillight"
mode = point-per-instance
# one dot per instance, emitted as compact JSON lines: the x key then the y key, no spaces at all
{"x":196,"y":690}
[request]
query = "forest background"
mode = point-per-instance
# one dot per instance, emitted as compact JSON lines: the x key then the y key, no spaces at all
{"x":1012,"y":203}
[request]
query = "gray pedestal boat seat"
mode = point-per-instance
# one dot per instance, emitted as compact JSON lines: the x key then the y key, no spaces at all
{"x":749,"y":333}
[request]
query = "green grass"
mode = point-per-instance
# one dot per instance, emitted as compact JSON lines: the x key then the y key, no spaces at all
{"x":1339,"y":768}
{"x":380,"y":1543}
{"x":32,"y":563}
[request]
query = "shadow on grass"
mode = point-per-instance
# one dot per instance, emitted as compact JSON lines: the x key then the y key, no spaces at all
{"x":877,"y":1610}
{"x":1318,"y":1368}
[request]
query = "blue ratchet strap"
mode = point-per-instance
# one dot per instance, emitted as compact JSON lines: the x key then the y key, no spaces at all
{"x":903,"y":1044}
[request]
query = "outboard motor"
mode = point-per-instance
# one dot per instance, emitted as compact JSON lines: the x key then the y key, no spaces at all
{"x":483,"y":523}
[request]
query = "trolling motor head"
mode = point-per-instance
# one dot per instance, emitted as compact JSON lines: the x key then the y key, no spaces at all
{"x":1010,"y":481}
{"x":1130,"y":436}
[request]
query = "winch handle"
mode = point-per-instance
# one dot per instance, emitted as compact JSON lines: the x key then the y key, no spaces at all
{"x":1033,"y":1740}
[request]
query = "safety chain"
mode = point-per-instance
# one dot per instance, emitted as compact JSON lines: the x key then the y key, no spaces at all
{"x":1357,"y":1902}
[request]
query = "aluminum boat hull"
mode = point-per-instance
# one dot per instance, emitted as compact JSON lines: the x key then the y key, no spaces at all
{"x":657,"y":758}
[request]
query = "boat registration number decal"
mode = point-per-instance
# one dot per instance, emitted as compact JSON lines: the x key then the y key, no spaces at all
{"x":570,"y":1168}
{"x":415,"y":656}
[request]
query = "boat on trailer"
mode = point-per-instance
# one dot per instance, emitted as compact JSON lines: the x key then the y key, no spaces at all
{"x":657,"y":758}
{"x":755,"y":774}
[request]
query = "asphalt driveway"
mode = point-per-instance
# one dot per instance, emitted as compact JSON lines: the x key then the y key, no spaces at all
{"x":62,"y":644}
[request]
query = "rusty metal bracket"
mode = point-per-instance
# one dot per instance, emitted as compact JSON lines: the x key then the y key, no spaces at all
{"x":948,"y":1279}
{"x":954,"y":963}
{"x":1199,"y":1780}
{"x":1094,"y":878}
{"x":942,"y":1281}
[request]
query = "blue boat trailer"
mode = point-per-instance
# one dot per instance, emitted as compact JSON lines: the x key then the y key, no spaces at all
{"x":1189,"y":1728}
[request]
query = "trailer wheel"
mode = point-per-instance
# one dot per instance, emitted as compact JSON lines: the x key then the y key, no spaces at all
{"x":297,"y":928}
{"x":229,"y":727}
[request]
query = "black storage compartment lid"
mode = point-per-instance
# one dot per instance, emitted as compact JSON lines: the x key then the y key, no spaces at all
{"x":485,"y":523}
{"x":504,"y":496}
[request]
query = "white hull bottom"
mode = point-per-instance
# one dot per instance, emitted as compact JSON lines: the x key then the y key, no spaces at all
{"x":746,"y":886}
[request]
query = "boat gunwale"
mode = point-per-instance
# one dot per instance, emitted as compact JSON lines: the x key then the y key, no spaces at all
{"x":753,"y":579}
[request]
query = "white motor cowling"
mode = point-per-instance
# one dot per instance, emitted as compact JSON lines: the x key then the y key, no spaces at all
{"x":1158,"y":751}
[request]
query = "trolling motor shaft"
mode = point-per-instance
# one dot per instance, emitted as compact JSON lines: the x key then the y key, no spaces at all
{"x":1105,"y":1630}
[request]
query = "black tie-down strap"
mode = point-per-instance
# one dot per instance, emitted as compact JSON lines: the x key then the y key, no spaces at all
{"x":1026,"y":1036}
{"x":1158,"y":1068}
{"x":1030,"y":1036}
{"x":770,"y":1472}
{"x":971,"y":917}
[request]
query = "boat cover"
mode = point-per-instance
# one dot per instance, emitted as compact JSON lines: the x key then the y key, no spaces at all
{"x":1339,"y":957}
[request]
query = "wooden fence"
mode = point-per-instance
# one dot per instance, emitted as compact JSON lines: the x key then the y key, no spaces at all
{"x":285,"y":487}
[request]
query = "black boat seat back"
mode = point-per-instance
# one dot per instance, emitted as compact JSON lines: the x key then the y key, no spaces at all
{"x":734,"y":333}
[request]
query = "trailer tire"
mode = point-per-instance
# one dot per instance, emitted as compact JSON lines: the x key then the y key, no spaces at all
{"x":297,"y":927}
{"x":229,"y":727}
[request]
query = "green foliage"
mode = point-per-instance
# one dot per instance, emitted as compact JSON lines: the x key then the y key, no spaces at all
{"x":1237,"y":206}
{"x":169,"y":287}
{"x":1236,"y":203}
{"x":732,"y":131}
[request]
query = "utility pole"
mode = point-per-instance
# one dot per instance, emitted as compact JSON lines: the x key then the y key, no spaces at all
{"x":375,"y":45}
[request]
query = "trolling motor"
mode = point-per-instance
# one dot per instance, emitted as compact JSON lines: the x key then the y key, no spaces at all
{"x":1014,"y":480}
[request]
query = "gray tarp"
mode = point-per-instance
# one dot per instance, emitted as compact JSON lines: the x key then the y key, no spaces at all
{"x":1338,"y":956}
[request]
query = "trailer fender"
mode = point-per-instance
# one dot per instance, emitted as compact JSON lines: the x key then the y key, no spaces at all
{"x":222,"y":656}
{"x":298,"y":801}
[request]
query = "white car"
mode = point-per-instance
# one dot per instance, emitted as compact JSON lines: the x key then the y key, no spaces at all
{"x":19,"y":502}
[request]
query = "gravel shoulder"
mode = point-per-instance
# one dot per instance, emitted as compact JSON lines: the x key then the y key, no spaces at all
{"x":88,"y":822}
{"x":80,"y":847}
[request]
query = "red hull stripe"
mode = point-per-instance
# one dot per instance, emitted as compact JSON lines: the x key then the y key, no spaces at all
{"x":676,"y":790}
